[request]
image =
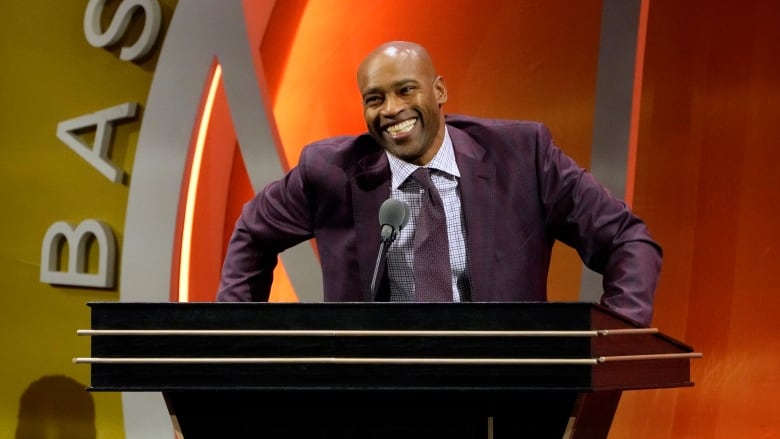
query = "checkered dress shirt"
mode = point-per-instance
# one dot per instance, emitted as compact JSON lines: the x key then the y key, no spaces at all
{"x":400,"y":257}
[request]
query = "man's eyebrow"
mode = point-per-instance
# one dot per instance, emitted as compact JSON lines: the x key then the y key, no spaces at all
{"x":371,"y":90}
{"x":403,"y":82}
{"x":396,"y":84}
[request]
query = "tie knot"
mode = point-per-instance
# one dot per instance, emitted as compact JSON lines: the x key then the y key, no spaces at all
{"x":423,"y":177}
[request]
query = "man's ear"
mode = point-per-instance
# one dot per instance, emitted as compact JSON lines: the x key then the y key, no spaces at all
{"x":440,"y":89}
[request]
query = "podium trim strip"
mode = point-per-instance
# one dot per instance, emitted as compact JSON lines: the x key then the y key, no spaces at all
{"x":358,"y":333}
{"x":650,"y":357}
{"x":345,"y":360}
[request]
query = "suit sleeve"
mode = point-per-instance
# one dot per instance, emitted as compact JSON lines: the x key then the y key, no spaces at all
{"x":277,"y":218}
{"x":608,"y":236}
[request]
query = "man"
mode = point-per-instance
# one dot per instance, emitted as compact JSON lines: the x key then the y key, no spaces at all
{"x":508,"y":193}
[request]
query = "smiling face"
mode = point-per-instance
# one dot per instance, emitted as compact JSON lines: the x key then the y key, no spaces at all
{"x":402,"y":99}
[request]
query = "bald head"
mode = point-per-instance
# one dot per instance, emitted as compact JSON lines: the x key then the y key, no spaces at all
{"x":395,"y":52}
{"x":402,"y":100}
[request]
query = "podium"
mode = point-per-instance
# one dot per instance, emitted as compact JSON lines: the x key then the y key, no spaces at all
{"x":381,"y":370}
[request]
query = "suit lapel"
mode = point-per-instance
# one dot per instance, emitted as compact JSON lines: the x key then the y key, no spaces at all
{"x":477,"y":191}
{"x":370,"y":188}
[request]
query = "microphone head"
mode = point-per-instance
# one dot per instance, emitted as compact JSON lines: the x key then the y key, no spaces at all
{"x":395,"y":214}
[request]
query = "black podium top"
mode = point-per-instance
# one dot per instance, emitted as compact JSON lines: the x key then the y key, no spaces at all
{"x":454,"y":347}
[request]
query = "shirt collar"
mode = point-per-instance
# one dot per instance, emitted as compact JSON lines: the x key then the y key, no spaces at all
{"x":443,"y":161}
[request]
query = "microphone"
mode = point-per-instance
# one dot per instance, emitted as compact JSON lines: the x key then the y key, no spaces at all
{"x":393,"y":216}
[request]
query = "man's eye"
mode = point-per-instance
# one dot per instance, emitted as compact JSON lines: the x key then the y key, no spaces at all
{"x":371,"y":100}
{"x":406,"y":90}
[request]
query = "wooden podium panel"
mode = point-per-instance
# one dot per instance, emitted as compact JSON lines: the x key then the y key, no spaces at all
{"x":469,"y":370}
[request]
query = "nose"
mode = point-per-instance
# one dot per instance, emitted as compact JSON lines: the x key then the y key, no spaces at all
{"x":392,"y":105}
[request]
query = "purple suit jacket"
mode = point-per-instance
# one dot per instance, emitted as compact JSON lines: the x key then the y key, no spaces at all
{"x":519,"y":194}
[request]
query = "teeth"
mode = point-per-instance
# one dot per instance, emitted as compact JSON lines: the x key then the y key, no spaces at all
{"x":401,"y":128}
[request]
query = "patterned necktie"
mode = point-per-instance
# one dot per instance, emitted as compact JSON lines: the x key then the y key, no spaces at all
{"x":432,"y":272}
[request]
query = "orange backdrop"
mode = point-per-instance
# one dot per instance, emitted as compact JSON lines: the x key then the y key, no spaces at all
{"x":707,"y":183}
